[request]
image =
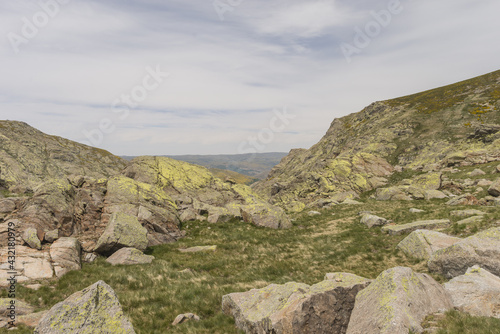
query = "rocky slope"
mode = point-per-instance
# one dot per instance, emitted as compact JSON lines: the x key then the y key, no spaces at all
{"x":453,"y":125}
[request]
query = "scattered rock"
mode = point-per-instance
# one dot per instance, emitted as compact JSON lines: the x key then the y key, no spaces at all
{"x":466,"y":199}
{"x":477,"y":172}
{"x":95,"y":309}
{"x":89,"y":257}
{"x":421,"y":244}
{"x":6,"y":206}
{"x":418,"y":225}
{"x":123,"y":231}
{"x":413,"y":210}
{"x":314,"y":213}
{"x":477,"y":293}
{"x":199,"y":249}
{"x":51,"y":236}
{"x":391,"y":194}
{"x":34,"y":286}
{"x":182,"y":318}
{"x":434,"y":194}
{"x":484,"y":183}
{"x":482,"y":249}
{"x":466,"y":213}
{"x":66,"y":254}
{"x":471,"y":220}
{"x":429,"y":181}
{"x":295,"y":307}
{"x":397,"y":302}
{"x":372,"y":221}
{"x":188,"y":215}
{"x":129,"y":256}
{"x":265,"y":216}
{"x":350,"y":201}
{"x":30,"y":237}
{"x":494,"y":189}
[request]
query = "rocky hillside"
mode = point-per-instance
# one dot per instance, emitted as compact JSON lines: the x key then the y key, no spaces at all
{"x":453,"y":125}
{"x":29,"y":157}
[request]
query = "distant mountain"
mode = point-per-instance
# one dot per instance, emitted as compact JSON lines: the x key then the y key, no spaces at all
{"x":254,"y":165}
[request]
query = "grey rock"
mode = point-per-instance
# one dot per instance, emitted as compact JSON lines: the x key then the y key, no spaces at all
{"x":129,"y":256}
{"x":66,"y":255}
{"x":372,"y":221}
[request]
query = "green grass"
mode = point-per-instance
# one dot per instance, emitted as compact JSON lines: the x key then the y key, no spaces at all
{"x":247,"y":257}
{"x":455,"y":322}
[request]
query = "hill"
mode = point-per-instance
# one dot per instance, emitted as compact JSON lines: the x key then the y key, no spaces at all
{"x":458,"y":123}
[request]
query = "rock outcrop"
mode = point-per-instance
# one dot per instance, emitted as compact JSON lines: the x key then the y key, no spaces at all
{"x":66,"y":255}
{"x":482,"y":249}
{"x":95,"y":309}
{"x":397,"y":302}
{"x":477,"y":293}
{"x":296,"y":308}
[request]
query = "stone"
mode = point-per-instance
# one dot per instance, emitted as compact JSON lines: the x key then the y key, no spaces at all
{"x":413,"y":210}
{"x":484,"y":183}
{"x":481,"y":249}
{"x":188,"y":215}
{"x":350,"y":201}
{"x":265,"y":216}
{"x":199,"y":249}
{"x":466,"y":213}
{"x":31,"y":265}
{"x":182,"y":318}
{"x":22,"y":308}
{"x":418,"y":225}
{"x":497,"y":170}
{"x":34,"y":286}
{"x":51,"y":236}
{"x":434,"y":194}
{"x":421,"y":244}
{"x":477,"y":172}
{"x":219,"y":215}
{"x":397,"y":302}
{"x":471,"y":220}
{"x":295,"y":307}
{"x":7,"y":206}
{"x":313,"y":213}
{"x":494,"y":189}
{"x":66,"y":254}
{"x":466,"y":199}
{"x":95,"y":309}
{"x":429,"y":181}
{"x":372,"y":221}
{"x":89,"y":257}
{"x":391,"y":194}
{"x":476,"y":293}
{"x":30,"y":237}
{"x":129,"y":256}
{"x":123,"y":231}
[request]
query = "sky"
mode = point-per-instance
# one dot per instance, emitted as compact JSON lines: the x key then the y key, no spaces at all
{"x":172,"y":77}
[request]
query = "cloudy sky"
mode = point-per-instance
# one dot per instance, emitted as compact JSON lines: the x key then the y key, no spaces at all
{"x":228,"y":76}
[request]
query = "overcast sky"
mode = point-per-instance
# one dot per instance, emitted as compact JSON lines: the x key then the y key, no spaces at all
{"x":232,"y":65}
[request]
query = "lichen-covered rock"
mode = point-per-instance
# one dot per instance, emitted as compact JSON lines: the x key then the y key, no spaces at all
{"x":421,"y":244}
{"x":434,"y":194}
{"x":391,"y":194}
{"x":122,"y":231}
{"x":66,"y":255}
{"x":429,"y":181}
{"x":466,"y":213}
{"x":494,"y":189}
{"x":466,"y":199}
{"x":482,"y":249}
{"x":471,"y":220}
{"x":129,"y":256}
{"x":418,"y":225}
{"x":477,"y":293}
{"x":95,"y":309}
{"x":397,"y":302}
{"x":263,"y":215}
{"x":51,"y":236}
{"x":30,"y":237}
{"x":372,"y":221}
{"x":295,"y":307}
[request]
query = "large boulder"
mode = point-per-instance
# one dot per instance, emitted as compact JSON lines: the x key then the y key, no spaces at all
{"x":66,"y":254}
{"x":372,"y":221}
{"x":30,"y":237}
{"x":95,"y":309}
{"x":397,"y":302}
{"x":391,"y":194}
{"x":477,"y":293}
{"x":482,"y":249}
{"x":122,"y":231}
{"x":129,"y":256}
{"x":295,"y":307}
{"x":263,"y":215}
{"x":31,"y":265}
{"x":421,"y":244}
{"x":494,"y":189}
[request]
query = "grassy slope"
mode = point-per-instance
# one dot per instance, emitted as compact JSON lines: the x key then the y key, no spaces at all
{"x":250,"y":257}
